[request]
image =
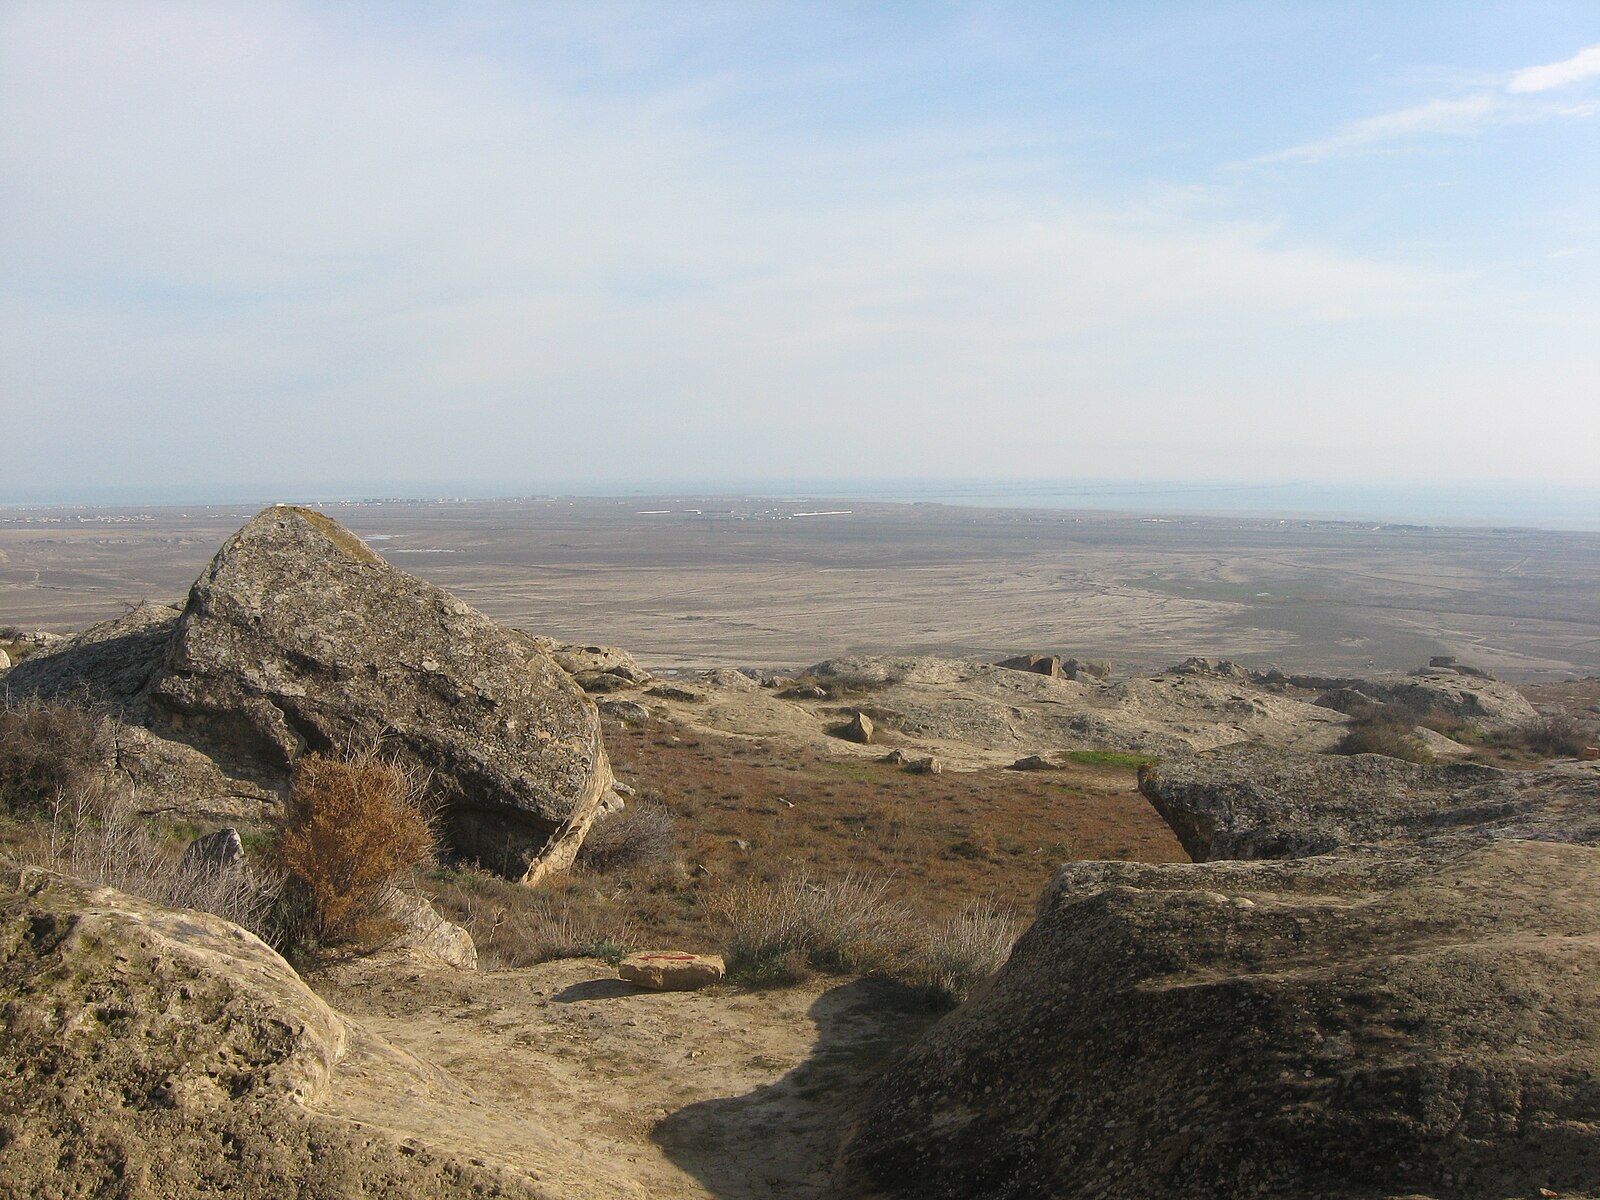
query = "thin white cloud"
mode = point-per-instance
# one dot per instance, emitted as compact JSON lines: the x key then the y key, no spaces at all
{"x":1583,"y":65}
{"x":1461,"y":116}
{"x":1446,"y":117}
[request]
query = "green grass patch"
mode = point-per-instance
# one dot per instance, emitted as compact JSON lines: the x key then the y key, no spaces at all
{"x":1110,"y":758}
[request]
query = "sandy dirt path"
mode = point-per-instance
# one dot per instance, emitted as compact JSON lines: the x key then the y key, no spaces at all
{"x":562,"y":1073}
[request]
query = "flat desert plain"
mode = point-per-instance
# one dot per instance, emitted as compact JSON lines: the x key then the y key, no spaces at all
{"x":693,"y":583}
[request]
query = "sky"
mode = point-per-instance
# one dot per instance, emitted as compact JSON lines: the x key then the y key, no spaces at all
{"x":520,"y":248}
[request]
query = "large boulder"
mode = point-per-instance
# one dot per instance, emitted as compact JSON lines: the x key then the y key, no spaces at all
{"x":1476,"y":700}
{"x":298,"y":638}
{"x":1347,"y":1028}
{"x":153,"y":1052}
{"x":1252,"y":801}
{"x":1408,"y":1006}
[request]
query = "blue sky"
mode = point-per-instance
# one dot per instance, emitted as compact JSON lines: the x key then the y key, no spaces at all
{"x":534,"y":247}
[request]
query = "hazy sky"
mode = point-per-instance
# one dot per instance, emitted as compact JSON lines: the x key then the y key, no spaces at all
{"x":571,"y":245}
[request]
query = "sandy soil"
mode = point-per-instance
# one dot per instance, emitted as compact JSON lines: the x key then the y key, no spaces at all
{"x":563,"y":1072}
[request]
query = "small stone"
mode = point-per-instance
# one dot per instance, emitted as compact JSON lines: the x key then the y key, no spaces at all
{"x":896,"y":758}
{"x":671,"y":691}
{"x":625,"y":710}
{"x":925,"y":766}
{"x":1034,"y":762}
{"x":859,"y":729}
{"x":216,"y":851}
{"x":672,"y":970}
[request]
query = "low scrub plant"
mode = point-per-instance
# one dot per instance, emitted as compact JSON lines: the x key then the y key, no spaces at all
{"x":1556,"y":736}
{"x":96,"y":836}
{"x":643,"y":834}
{"x":516,"y":926}
{"x":1385,"y":733}
{"x":776,"y":933}
{"x":49,"y":749}
{"x":965,"y":950}
{"x":353,"y":828}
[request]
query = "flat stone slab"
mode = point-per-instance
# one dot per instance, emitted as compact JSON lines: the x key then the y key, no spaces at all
{"x":672,"y":970}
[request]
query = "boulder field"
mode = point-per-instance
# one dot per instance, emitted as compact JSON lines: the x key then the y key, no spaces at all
{"x":299,"y":639}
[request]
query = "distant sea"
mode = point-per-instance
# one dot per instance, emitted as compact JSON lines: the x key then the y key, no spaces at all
{"x":1492,"y":504}
{"x":1523,"y":505}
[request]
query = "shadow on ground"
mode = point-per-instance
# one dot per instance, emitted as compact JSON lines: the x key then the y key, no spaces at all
{"x":780,"y":1140}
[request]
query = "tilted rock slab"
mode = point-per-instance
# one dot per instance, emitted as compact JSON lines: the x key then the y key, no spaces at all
{"x":299,"y":639}
{"x":1371,"y":1026}
{"x":1252,"y":801}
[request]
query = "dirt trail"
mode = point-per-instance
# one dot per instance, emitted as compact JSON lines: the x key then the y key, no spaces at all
{"x":564,"y":1073}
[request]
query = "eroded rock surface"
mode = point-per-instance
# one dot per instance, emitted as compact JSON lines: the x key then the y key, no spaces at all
{"x":152,"y":1052}
{"x":1254,"y":801}
{"x":1425,"y":1024}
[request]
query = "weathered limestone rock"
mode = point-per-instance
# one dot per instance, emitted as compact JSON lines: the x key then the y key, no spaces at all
{"x":1034,"y":762}
{"x":896,"y":757}
{"x":109,"y":666}
{"x":625,"y":710}
{"x":1251,"y":801}
{"x":673,"y":691}
{"x":858,"y":729}
{"x":5,"y":661}
{"x":602,"y":682}
{"x":219,"y":851}
{"x":298,"y":638}
{"x":1481,"y":701}
{"x":153,"y":1052}
{"x":423,"y":930}
{"x":1425,"y":1024}
{"x":1078,"y":668}
{"x":1217,"y":668}
{"x":925,"y":766}
{"x":1039,"y":664}
{"x":671,"y":970}
{"x":578,"y":660}
{"x":119,"y":1011}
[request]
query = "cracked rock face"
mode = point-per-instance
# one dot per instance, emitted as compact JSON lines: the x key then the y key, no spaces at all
{"x":1425,"y":1025}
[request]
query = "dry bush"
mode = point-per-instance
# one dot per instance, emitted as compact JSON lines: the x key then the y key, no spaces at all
{"x":777,"y":933}
{"x":1387,"y":734}
{"x":516,"y":926}
{"x":352,"y":829}
{"x":774,"y":932}
{"x":643,"y":834}
{"x":1557,"y":736}
{"x":48,"y":748}
{"x":95,"y":836}
{"x":965,"y":950}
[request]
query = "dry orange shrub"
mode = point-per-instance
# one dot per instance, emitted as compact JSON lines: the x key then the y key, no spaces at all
{"x":352,"y":829}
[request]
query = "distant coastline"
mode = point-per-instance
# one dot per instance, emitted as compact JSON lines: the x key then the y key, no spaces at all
{"x":1519,"y":505}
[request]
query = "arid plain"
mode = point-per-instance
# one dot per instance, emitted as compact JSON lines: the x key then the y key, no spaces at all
{"x":717,"y":582}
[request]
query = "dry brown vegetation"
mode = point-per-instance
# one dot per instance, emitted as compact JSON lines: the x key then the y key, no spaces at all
{"x":352,"y":829}
{"x":48,"y":749}
{"x":789,"y":861}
